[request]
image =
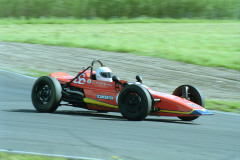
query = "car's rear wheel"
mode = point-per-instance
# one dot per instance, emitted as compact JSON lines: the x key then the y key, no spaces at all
{"x":194,"y":95}
{"x":134,"y":102}
{"x":46,"y":94}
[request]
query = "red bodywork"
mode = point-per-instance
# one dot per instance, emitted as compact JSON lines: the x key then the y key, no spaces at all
{"x":101,"y":95}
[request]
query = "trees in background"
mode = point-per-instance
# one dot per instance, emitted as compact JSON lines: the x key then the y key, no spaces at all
{"x":208,"y":9}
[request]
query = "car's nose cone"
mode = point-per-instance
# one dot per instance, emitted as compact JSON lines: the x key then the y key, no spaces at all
{"x":201,"y":112}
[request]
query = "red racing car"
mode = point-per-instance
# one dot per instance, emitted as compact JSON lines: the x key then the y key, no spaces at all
{"x":100,"y":91}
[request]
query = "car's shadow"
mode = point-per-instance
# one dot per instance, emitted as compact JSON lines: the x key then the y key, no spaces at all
{"x":103,"y":116}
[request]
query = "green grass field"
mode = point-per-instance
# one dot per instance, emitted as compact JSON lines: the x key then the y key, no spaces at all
{"x":16,"y":156}
{"x":226,"y":106}
{"x":201,"y":42}
{"x":12,"y":156}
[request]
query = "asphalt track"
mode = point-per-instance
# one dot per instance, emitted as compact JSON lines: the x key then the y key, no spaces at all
{"x":82,"y":133}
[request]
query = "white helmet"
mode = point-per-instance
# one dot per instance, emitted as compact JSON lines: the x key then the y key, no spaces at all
{"x":104,"y":74}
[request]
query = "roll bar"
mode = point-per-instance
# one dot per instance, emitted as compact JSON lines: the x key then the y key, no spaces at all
{"x":94,"y":61}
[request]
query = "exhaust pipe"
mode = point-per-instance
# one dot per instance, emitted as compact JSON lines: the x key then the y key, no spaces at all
{"x":74,"y":92}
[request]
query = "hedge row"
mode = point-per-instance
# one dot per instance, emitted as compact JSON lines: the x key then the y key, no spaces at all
{"x":209,"y":9}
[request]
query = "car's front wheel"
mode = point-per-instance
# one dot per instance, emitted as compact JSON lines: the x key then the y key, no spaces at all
{"x":134,"y":102}
{"x":46,"y":94}
{"x":194,"y":95}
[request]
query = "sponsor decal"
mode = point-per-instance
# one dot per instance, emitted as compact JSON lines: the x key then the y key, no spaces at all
{"x":104,"y":97}
{"x":89,"y":81}
{"x":81,"y":79}
{"x":107,"y":84}
{"x":193,"y":105}
{"x":102,"y":83}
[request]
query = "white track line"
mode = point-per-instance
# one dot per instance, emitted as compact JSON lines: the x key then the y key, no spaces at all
{"x":49,"y":155}
{"x":19,"y":74}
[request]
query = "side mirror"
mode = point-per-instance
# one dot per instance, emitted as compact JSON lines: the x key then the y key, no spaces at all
{"x":139,"y":78}
{"x":116,"y":79}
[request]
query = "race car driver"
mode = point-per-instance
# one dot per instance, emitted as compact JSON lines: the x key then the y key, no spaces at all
{"x":104,"y":74}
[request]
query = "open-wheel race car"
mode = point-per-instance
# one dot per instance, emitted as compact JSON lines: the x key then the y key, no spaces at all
{"x":100,"y":91}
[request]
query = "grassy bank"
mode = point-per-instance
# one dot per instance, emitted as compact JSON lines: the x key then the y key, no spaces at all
{"x":13,"y":156}
{"x":32,"y":156}
{"x":226,"y":106}
{"x":206,"y":44}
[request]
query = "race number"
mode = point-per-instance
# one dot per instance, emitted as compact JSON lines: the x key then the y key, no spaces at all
{"x":81,"y":79}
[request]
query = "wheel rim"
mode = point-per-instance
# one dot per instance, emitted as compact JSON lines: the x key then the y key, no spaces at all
{"x":43,"y":94}
{"x":133,"y":103}
{"x":191,"y":98}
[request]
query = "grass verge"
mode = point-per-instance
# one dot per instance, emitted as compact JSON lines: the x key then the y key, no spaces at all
{"x":17,"y":156}
{"x":201,"y":42}
{"x":13,"y":156}
{"x":226,"y":106}
{"x":26,"y":71}
{"x":36,"y":73}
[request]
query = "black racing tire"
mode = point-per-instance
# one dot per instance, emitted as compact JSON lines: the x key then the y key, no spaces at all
{"x":188,"y":118}
{"x":46,"y":94}
{"x":134,"y":102}
{"x":194,"y":95}
{"x":102,"y":111}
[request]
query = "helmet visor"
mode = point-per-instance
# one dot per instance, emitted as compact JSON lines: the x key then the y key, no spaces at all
{"x":106,"y":74}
